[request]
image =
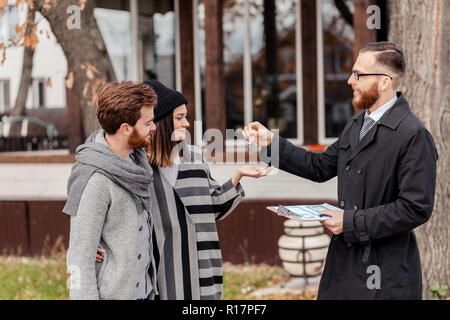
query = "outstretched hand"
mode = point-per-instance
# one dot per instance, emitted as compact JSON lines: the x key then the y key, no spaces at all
{"x":249,"y":171}
{"x":254,"y":171}
{"x":255,"y":132}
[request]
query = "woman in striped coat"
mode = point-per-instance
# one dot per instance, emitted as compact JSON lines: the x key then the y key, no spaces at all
{"x":187,"y":202}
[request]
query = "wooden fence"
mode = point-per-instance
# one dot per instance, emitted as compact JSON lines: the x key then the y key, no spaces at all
{"x":249,"y":234}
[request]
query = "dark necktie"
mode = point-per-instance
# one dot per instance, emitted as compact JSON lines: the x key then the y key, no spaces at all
{"x":367,"y":125}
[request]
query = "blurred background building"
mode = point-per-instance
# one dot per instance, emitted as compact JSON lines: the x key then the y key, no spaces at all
{"x":284,"y":63}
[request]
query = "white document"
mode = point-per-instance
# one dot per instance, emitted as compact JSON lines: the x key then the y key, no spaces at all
{"x":304,"y":212}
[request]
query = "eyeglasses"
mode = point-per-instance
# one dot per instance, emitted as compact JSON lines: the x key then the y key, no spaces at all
{"x":358,"y":75}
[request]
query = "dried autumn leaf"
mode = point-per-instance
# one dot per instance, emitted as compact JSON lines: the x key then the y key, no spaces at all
{"x":3,"y":56}
{"x":81,"y":4}
{"x":89,"y":74}
{"x":34,"y":40}
{"x":92,"y":67}
{"x":93,"y":96}
{"x":69,"y":81}
{"x":85,"y":89}
{"x":19,"y":28}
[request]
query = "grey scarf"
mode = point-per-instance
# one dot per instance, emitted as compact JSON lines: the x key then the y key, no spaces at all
{"x":94,"y":156}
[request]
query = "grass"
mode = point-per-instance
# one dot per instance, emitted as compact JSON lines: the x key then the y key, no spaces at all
{"x":44,"y":278}
{"x":39,"y":278}
{"x":240,"y":281}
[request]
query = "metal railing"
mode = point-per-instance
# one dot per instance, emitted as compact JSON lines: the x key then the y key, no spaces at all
{"x":52,"y":140}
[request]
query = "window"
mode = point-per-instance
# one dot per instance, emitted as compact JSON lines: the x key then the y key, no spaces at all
{"x":262,"y":64}
{"x":335,"y":37}
{"x":5,"y":103}
{"x":115,"y":28}
{"x":273,"y":46}
{"x":8,"y":23}
{"x":38,"y":92}
{"x":156,"y":44}
{"x":162,"y":65}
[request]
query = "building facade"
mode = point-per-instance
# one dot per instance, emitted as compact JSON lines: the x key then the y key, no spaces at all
{"x":283,"y":63}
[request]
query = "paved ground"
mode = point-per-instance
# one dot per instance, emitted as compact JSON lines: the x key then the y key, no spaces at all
{"x":48,"y":182}
{"x":294,"y":286}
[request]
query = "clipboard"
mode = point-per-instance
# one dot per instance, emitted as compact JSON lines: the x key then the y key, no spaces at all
{"x":303,"y":212}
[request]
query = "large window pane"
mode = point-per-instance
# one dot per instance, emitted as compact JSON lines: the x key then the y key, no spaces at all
{"x":273,"y":62}
{"x":162,"y":66}
{"x":272,"y":25}
{"x":233,"y":55}
{"x":157,"y":45}
{"x":338,"y":39}
{"x":115,"y":28}
{"x":8,"y":21}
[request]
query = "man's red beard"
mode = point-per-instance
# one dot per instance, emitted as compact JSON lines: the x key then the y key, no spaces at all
{"x":136,"y":141}
{"x":367,"y":99}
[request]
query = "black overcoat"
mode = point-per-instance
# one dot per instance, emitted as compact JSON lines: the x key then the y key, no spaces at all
{"x":386,"y":186}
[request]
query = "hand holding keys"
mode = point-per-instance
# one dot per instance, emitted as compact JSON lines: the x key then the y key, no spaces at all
{"x":256,"y":133}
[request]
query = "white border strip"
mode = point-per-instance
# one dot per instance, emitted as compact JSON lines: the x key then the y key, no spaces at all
{"x":320,"y":78}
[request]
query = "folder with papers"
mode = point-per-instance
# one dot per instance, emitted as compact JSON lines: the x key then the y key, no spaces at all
{"x":304,"y":212}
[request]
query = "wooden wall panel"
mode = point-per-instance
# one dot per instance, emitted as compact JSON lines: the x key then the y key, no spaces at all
{"x":13,"y":228}
{"x":251,"y":232}
{"x":47,"y":223}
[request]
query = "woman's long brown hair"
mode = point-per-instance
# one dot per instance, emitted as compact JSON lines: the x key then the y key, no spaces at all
{"x":161,"y":145}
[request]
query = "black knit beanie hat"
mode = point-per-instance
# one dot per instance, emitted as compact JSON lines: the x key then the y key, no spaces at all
{"x":168,"y":99}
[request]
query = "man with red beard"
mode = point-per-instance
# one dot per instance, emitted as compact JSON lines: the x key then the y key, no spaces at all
{"x":109,"y":200}
{"x":385,"y":161}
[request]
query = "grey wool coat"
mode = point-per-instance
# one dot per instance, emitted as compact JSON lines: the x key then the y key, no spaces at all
{"x":106,"y":209}
{"x":189,"y":259}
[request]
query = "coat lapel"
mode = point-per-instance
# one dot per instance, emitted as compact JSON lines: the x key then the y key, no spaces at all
{"x":391,"y":119}
{"x":361,"y":145}
{"x":353,"y":134}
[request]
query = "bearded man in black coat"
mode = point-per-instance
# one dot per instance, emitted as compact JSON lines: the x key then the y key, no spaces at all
{"x":385,"y":161}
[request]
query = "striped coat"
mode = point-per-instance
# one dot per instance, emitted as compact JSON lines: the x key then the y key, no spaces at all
{"x":189,"y":259}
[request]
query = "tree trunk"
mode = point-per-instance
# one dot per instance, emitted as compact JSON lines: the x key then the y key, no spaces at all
{"x":89,"y":65}
{"x":25,"y":79}
{"x":422,"y":28}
